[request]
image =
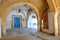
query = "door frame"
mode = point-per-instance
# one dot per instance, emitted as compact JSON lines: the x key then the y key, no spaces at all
{"x":13,"y":20}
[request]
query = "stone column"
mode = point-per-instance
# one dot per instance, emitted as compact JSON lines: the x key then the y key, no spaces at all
{"x":0,"y":28}
{"x":56,"y":24}
{"x":4,"y":27}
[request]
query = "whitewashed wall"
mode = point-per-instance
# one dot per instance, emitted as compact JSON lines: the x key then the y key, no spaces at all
{"x":32,"y":21}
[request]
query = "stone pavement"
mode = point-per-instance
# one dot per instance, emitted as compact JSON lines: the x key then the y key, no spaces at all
{"x":28,"y":34}
{"x":45,"y":36}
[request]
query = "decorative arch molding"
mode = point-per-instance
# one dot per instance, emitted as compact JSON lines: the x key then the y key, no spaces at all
{"x":7,"y":10}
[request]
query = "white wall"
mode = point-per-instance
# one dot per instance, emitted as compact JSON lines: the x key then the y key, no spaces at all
{"x":31,"y":21}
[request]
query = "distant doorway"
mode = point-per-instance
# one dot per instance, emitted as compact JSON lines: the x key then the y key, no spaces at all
{"x":16,"y":22}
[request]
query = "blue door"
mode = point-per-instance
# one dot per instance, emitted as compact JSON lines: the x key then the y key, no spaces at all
{"x":16,"y":22}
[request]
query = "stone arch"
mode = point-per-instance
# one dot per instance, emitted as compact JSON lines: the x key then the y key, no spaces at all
{"x":52,"y":7}
{"x":6,"y":11}
{"x":36,"y":16}
{"x":51,"y":4}
{"x":31,"y":13}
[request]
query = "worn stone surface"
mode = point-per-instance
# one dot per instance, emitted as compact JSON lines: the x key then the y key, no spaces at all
{"x":29,"y":36}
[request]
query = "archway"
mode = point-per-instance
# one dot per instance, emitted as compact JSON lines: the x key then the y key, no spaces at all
{"x":32,"y":21}
{"x":5,"y":13}
{"x":54,"y":13}
{"x":33,"y":6}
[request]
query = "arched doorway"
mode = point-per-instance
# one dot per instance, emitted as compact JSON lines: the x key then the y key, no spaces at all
{"x":33,"y":21}
{"x":20,"y":11}
{"x":11,"y":6}
{"x":8,"y":9}
{"x":23,"y":13}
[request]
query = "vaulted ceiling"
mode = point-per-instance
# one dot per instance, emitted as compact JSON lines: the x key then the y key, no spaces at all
{"x":40,"y":4}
